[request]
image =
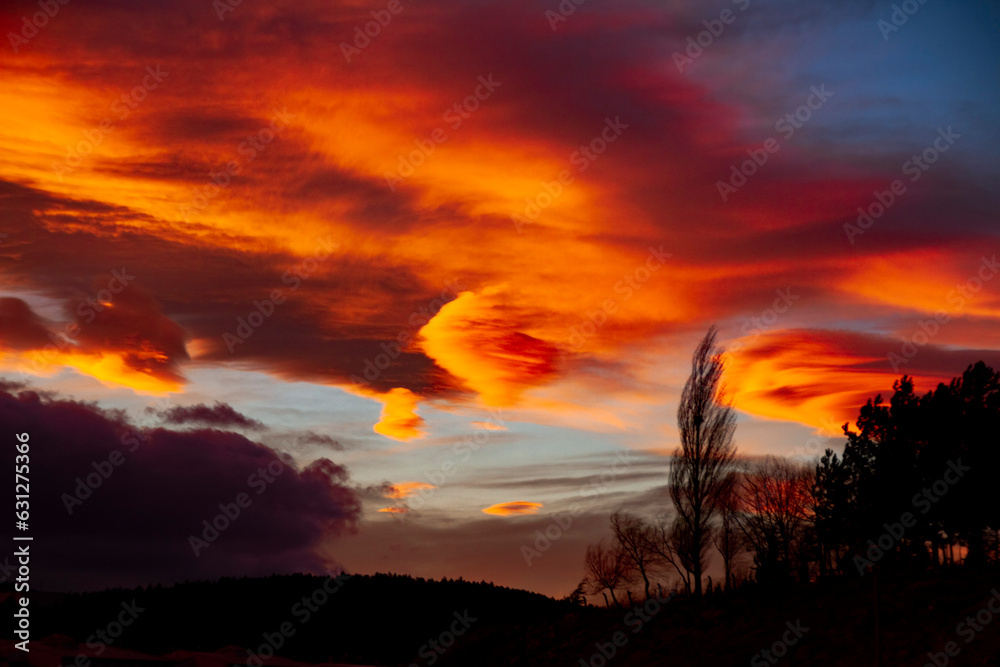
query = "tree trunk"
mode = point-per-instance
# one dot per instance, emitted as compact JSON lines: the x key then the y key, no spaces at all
{"x":975,"y":554}
{"x":696,"y":547}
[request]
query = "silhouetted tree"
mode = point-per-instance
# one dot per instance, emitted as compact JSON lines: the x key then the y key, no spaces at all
{"x":774,"y":499}
{"x":633,"y":536}
{"x":670,"y":540}
{"x":706,"y":423}
{"x":727,"y":537}
{"x":932,"y":457}
{"x":832,"y":505}
{"x":607,"y":567}
{"x":578,"y":596}
{"x":968,"y":411}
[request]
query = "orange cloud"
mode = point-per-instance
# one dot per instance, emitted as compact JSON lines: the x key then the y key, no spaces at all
{"x":406,"y":489}
{"x":399,"y":419}
{"x":118,"y":338}
{"x":577,"y":267}
{"x":475,"y":339}
{"x":395,"y":510}
{"x":821,"y":378}
{"x":516,"y":508}
{"x":118,"y":369}
{"x":109,"y":368}
{"x":928,"y":280}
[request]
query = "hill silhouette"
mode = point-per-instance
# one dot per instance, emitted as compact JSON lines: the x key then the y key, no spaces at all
{"x":390,"y":620}
{"x":383,"y":618}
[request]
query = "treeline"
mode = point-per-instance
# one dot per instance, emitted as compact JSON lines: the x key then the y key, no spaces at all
{"x":922,"y":470}
{"x":913,"y":489}
{"x":351,"y":618}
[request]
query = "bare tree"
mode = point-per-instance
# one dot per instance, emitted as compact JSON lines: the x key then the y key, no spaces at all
{"x":727,"y":536}
{"x":706,"y":423}
{"x":633,"y":536}
{"x":607,"y":568}
{"x":774,"y":499}
{"x":671,"y":542}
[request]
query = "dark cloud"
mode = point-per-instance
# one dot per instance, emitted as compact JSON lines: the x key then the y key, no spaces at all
{"x":127,"y":318}
{"x":218,"y":415}
{"x":312,"y":438}
{"x":153,"y":490}
{"x":203,"y":291}
{"x":868,"y":352}
{"x":115,"y":316}
{"x":20,"y":327}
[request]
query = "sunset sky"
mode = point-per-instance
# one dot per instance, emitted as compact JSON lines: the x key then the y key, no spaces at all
{"x":456,"y":270}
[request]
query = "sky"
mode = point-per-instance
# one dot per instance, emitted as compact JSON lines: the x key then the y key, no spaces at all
{"x":444,"y":265}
